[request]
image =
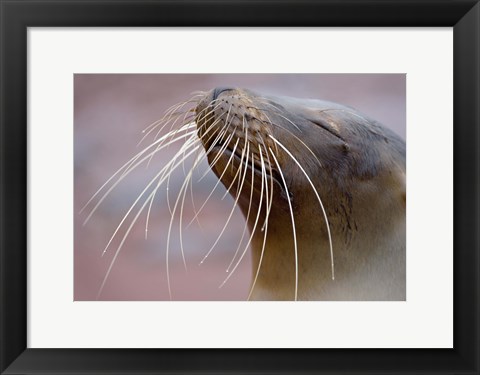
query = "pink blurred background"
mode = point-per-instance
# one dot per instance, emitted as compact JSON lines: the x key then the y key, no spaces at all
{"x":110,"y":112}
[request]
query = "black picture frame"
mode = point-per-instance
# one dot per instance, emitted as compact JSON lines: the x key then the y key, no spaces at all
{"x":18,"y":15}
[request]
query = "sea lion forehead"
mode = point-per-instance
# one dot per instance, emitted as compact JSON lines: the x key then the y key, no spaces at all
{"x":306,"y":108}
{"x":292,"y":104}
{"x":305,"y":103}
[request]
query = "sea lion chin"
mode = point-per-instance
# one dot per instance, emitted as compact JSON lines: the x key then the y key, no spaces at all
{"x":322,"y":188}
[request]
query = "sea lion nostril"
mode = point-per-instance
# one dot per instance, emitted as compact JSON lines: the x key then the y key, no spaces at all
{"x":218,"y":90}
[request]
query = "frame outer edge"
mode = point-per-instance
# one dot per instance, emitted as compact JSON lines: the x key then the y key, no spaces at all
{"x":13,"y":167}
{"x":466,"y":189}
{"x":13,"y":183}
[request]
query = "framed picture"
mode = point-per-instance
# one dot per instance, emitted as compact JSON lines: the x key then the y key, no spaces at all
{"x":214,"y":238}
{"x":340,"y":100}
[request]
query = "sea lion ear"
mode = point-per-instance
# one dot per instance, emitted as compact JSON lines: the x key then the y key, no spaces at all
{"x":317,"y":118}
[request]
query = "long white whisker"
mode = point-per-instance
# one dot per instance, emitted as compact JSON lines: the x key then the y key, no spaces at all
{"x":253,"y":230}
{"x":169,"y":111}
{"x":158,"y":123}
{"x":173,"y":134}
{"x":192,"y":140}
{"x":278,"y":114}
{"x":268,"y":205}
{"x":117,"y":252}
{"x":239,"y":170}
{"x":220,"y":178}
{"x":318,"y":198}
{"x":216,"y":184}
{"x":184,"y":185}
{"x":231,"y":211}
{"x":223,"y":130}
{"x":125,"y":166}
{"x":249,"y":207}
{"x":219,"y":153}
{"x":293,"y":222}
{"x":188,"y":179}
{"x":143,"y":192}
{"x":293,"y":135}
{"x":203,"y":114}
{"x":124,"y":174}
{"x":177,"y":116}
{"x":189,"y":143}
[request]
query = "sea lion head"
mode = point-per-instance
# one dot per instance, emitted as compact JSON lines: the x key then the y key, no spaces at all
{"x":327,"y":171}
{"x":335,"y":146}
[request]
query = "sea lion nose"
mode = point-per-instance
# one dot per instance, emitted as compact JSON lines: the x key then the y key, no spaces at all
{"x":218,"y":90}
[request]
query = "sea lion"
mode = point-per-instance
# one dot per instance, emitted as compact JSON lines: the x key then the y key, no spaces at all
{"x":321,"y":187}
{"x":323,"y":191}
